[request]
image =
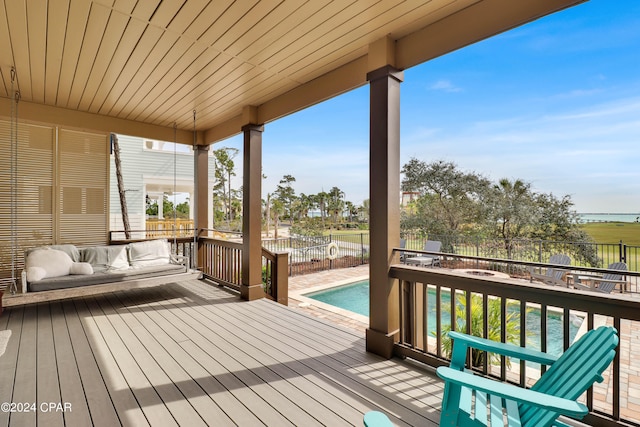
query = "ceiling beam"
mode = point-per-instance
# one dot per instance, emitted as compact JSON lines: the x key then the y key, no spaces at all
{"x":333,"y":83}
{"x":45,"y":114}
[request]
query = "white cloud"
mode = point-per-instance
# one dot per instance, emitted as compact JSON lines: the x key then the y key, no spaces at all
{"x":576,"y":152}
{"x":446,"y":86}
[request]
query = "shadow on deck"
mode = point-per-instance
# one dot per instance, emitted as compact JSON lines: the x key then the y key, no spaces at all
{"x":189,"y":353}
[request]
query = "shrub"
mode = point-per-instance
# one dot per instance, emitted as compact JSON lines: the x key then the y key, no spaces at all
{"x":494,"y":325}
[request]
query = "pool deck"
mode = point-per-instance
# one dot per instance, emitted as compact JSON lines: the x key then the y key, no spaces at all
{"x":629,"y":331}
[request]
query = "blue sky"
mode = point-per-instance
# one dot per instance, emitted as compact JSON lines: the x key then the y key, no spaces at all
{"x":555,"y":103}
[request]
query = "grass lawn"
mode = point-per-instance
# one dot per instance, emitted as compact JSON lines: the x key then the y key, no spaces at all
{"x":613,"y":232}
{"x":602,"y":232}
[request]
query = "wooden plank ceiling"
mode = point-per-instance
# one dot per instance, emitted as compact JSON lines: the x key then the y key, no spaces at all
{"x":155,"y":61}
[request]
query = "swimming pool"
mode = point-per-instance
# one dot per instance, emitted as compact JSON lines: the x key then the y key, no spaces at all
{"x":355,"y":298}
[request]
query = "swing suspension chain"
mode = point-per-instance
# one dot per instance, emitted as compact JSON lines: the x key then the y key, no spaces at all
{"x":13,"y":178}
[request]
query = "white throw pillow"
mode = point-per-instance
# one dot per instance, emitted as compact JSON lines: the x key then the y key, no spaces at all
{"x":81,"y":268}
{"x":35,"y":274}
{"x":118,"y":259}
{"x":149,"y":253}
{"x":55,"y":263}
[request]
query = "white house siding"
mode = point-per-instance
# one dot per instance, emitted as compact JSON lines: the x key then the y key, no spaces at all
{"x":142,"y":167}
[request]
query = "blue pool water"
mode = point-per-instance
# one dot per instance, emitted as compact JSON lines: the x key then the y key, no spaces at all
{"x":355,"y":297}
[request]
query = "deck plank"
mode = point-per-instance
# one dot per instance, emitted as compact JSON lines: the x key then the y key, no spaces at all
{"x":97,"y":397}
{"x":156,"y":344}
{"x":24,"y":388}
{"x":232,"y":406}
{"x":224,"y":366}
{"x":276,"y":358}
{"x":309,"y":331}
{"x":8,"y":361}
{"x":47,"y":384}
{"x":124,"y":402}
{"x":190,"y":353}
{"x":134,"y":338}
{"x":271,"y":370}
{"x":292,"y":333}
{"x":71,"y":389}
{"x":146,"y":395}
{"x":409,"y":384}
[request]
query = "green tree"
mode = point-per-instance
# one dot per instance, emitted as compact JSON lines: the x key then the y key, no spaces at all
{"x":363,"y":210}
{"x":286,"y":194}
{"x":167,"y":207}
{"x":512,"y":211}
{"x":182,"y":210}
{"x":304,"y":204}
{"x":449,"y":199}
{"x":151,"y":207}
{"x":351,"y":210}
{"x":557,"y":220}
{"x":335,"y":203}
{"x":224,"y":170}
{"x":267,"y":213}
{"x":515,"y":211}
{"x":452,"y":202}
{"x":277,"y":209}
{"x":320,"y":201}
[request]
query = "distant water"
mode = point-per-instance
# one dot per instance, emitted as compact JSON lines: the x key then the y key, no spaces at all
{"x":609,"y":217}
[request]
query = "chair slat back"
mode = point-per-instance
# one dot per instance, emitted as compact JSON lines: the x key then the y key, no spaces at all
{"x":606,"y":287}
{"x":432,"y":246}
{"x":574,"y":372}
{"x":615,"y":266}
{"x":560,"y":259}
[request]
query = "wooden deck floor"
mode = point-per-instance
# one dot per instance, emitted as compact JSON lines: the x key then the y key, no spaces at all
{"x":193,"y":354}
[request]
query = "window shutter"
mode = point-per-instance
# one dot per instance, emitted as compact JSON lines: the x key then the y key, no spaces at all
{"x":62,"y":187}
{"x":83,"y":159}
{"x":35,"y":171}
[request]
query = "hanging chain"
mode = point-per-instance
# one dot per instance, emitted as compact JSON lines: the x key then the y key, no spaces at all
{"x":175,"y":171}
{"x":194,"y":260}
{"x":14,"y":178}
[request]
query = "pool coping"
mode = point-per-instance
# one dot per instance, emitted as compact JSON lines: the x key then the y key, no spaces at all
{"x":299,"y":295}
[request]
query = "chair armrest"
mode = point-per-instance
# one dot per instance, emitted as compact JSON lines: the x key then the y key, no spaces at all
{"x":610,"y":280}
{"x":508,"y":350}
{"x":376,"y":419}
{"x":181,"y":259}
{"x":511,"y":392}
{"x":596,"y":278}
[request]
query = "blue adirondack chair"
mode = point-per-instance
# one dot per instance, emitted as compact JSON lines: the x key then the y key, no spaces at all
{"x":472,"y":400}
{"x":554,"y":394}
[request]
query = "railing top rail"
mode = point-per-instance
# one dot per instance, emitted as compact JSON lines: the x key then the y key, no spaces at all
{"x":168,"y":238}
{"x":522,"y":263}
{"x":218,"y":230}
{"x":268,"y":254}
{"x":220,"y":242}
